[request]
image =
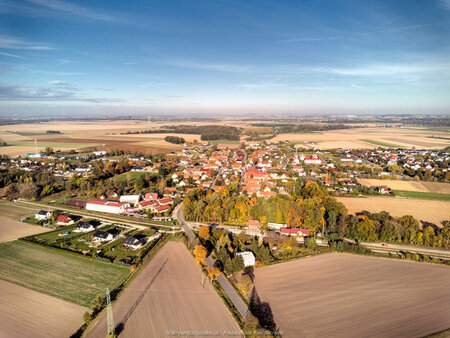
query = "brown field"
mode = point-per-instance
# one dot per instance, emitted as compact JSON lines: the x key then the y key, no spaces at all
{"x":438,"y":187}
{"x":11,"y":230}
{"x":168,"y":296}
{"x":343,"y":295}
{"x":352,"y":138}
{"x":424,"y":210}
{"x":27,"y":313}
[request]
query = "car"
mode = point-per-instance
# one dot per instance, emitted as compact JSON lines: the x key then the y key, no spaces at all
{"x":385,"y":245}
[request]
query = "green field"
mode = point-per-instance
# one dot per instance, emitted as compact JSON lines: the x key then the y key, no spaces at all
{"x":224,"y":142}
{"x":74,"y":145}
{"x":73,"y":278}
{"x":131,"y":175}
{"x":422,"y":195}
{"x":381,"y":144}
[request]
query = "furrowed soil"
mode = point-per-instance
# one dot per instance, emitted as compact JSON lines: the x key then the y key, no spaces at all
{"x":167,"y":297}
{"x":27,"y":313}
{"x":343,"y":295}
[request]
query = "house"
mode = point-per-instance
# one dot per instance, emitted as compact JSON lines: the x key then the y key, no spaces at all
{"x":165,"y":201}
{"x":83,"y":226}
{"x":99,"y":153}
{"x":43,"y":215}
{"x":247,"y":257}
{"x":151,"y":196}
{"x":107,"y":206}
{"x":161,"y":208}
{"x":133,"y":243}
{"x":253,"y":224}
{"x":314,"y":159}
{"x":102,"y":236}
{"x":383,"y":189}
{"x":64,"y":220}
{"x":132,"y":199}
{"x":146,"y":205}
{"x":299,"y":232}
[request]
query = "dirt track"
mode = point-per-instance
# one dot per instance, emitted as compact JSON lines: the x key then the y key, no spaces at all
{"x":343,"y":295}
{"x":168,"y":296}
{"x":27,"y":313}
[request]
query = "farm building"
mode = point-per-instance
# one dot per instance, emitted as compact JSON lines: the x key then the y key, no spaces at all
{"x":43,"y":215}
{"x":300,"y":232}
{"x":247,"y":257}
{"x":107,"y":206}
{"x":132,"y":199}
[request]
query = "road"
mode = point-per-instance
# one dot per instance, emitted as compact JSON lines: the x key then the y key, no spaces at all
{"x":137,"y":224}
{"x":230,"y":291}
{"x":219,"y":174}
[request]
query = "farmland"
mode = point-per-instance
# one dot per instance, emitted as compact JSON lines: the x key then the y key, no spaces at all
{"x":69,"y":277}
{"x":340,"y":295}
{"x":27,"y":313}
{"x":437,"y":187}
{"x":11,"y":229}
{"x":168,"y":296}
{"x":422,"y":195}
{"x":423,"y":210}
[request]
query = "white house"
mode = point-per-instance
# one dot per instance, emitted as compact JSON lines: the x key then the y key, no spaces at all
{"x":102,"y":236}
{"x":247,"y":257}
{"x":107,"y":206}
{"x":43,"y":215}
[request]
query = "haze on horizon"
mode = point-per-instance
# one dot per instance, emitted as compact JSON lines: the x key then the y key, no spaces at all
{"x":99,"y":57}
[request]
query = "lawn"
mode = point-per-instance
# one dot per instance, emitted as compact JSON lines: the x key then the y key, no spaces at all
{"x":131,"y":175}
{"x":422,"y":195}
{"x":381,"y":144}
{"x":224,"y":142}
{"x":69,"y":277}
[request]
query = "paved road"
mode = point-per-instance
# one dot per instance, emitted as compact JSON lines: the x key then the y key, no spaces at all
{"x":137,"y":224}
{"x":231,"y":292}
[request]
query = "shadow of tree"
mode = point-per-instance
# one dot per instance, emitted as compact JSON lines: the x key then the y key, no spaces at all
{"x":249,"y":271}
{"x":262,"y":311}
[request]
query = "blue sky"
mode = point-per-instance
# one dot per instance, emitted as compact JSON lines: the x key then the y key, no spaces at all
{"x":124,"y":57}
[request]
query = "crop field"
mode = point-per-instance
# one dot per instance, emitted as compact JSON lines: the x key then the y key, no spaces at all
{"x":358,"y":137}
{"x":436,"y":187}
{"x":168,"y":296}
{"x":423,"y":210}
{"x":11,"y":229}
{"x":343,"y":295}
{"x":27,"y":313}
{"x":422,"y":195}
{"x":72,"y":278}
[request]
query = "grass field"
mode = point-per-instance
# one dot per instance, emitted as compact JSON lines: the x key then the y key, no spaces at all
{"x":342,"y":295}
{"x":72,"y":278}
{"x":27,"y":313}
{"x":424,"y":210}
{"x":423,"y":186}
{"x":380,"y":143}
{"x":422,"y":195}
{"x":132,"y":175}
{"x":224,"y":142}
{"x":168,"y":296}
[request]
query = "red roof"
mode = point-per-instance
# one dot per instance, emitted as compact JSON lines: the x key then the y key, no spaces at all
{"x":162,"y":208}
{"x":151,"y":196}
{"x":165,"y":200}
{"x":109,"y":203}
{"x":305,"y":232}
{"x":253,"y":222}
{"x":63,"y":219}
{"x":146,"y":203}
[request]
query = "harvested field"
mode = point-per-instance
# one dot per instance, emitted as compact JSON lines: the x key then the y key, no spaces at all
{"x":27,"y":313}
{"x":353,"y":138}
{"x":11,"y":230}
{"x":343,"y":295}
{"x":438,"y":187}
{"x":168,"y":296}
{"x":54,"y":272}
{"x":424,"y":210}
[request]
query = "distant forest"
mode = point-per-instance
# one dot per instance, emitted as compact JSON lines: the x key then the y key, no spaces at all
{"x":207,"y":132}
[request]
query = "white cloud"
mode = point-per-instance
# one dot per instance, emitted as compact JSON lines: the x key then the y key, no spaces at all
{"x":10,"y":42}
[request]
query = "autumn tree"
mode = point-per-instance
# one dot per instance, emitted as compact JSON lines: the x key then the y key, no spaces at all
{"x":213,"y":273}
{"x":204,"y":232}
{"x":200,"y":253}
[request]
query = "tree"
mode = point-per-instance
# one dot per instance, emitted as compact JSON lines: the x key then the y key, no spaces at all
{"x":87,"y":317}
{"x":213,"y":273}
{"x":204,"y":232}
{"x":200,"y":253}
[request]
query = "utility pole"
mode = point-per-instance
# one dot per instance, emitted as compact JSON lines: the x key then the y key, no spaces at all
{"x":110,"y":332}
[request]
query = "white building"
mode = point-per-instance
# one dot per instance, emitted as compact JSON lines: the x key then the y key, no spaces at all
{"x":276,"y":226}
{"x":133,"y":199}
{"x":42,"y":215}
{"x":247,"y":257}
{"x":107,"y":206}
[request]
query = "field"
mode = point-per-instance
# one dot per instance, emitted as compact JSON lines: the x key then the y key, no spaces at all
{"x":168,"y":296}
{"x":11,"y":230}
{"x":436,"y":187}
{"x":341,"y":295}
{"x":422,"y":195}
{"x":359,"y":138}
{"x":424,"y":210}
{"x":27,"y":313}
{"x":72,"y":278}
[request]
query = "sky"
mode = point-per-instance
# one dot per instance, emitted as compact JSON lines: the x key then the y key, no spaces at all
{"x":99,"y":57}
